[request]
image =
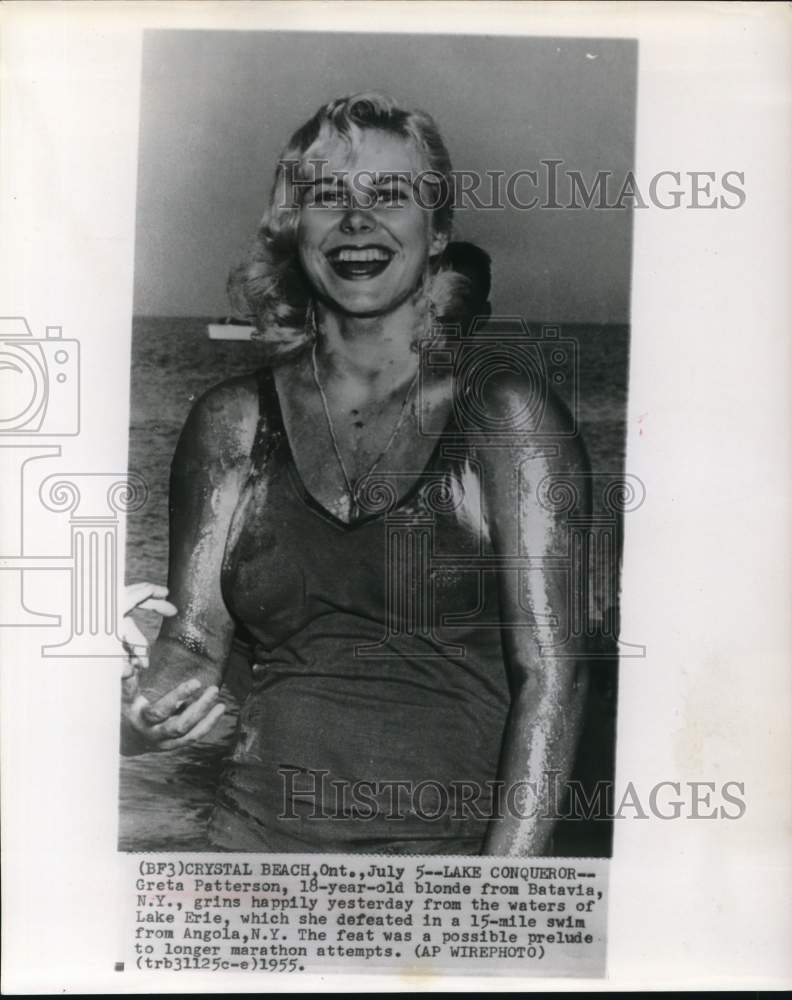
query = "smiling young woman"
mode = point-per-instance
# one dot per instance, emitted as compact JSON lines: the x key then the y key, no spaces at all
{"x":348,"y":509}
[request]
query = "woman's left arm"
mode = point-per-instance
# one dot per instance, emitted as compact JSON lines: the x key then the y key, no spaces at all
{"x":545,"y":658}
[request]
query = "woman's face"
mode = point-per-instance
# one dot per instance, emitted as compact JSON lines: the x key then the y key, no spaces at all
{"x":364,"y":239}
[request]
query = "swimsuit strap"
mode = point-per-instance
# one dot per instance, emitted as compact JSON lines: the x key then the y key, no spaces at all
{"x":269,"y":428}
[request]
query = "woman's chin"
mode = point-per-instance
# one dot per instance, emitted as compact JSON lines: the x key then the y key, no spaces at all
{"x":366,"y":304}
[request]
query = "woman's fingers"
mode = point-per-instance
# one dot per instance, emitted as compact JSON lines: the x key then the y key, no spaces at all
{"x":183,"y":722}
{"x":177,"y":728}
{"x":180,"y":716}
{"x":201,"y":729}
{"x":162,"y":607}
{"x":136,"y":593}
{"x":163,"y":708}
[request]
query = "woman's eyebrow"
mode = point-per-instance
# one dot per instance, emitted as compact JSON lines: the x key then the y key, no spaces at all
{"x":394,"y":177}
{"x":320,"y":181}
{"x":342,"y":177}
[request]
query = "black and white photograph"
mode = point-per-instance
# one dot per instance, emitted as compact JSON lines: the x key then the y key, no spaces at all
{"x":378,"y":398}
{"x":394,"y":536}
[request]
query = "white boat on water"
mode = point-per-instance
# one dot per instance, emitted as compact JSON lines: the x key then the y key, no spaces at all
{"x":230,"y":329}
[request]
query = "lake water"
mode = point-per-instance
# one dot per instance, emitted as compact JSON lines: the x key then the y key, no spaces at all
{"x":165,"y":798}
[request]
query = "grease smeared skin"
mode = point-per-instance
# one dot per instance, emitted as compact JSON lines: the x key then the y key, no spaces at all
{"x":548,"y":692}
{"x":208,"y":474}
{"x":466,"y":489}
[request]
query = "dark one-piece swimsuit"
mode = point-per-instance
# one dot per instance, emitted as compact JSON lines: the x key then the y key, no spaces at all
{"x":376,"y":722}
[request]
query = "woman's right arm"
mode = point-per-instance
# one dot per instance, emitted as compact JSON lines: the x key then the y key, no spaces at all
{"x":175,"y":700}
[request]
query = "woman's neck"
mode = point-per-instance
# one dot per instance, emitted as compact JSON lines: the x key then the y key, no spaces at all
{"x":371,"y":350}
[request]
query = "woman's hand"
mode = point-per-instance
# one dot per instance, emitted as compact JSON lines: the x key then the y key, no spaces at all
{"x":174,"y":720}
{"x":180,"y":716}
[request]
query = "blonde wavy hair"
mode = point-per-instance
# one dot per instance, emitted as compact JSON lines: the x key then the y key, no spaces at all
{"x":269,"y":288}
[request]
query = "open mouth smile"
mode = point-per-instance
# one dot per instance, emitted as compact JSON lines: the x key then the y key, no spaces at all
{"x":356,"y":263}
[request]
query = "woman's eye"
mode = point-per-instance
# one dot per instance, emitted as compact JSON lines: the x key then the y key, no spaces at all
{"x":327,"y":198}
{"x":340,"y":198}
{"x":391,"y":197}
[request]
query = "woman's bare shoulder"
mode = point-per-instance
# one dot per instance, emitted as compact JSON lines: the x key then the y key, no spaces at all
{"x":521,"y":415}
{"x":221,"y":425}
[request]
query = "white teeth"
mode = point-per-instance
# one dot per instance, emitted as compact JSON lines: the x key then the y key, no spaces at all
{"x":362,"y":256}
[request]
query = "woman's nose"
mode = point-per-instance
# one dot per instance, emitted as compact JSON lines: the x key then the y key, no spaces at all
{"x":356,"y":220}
